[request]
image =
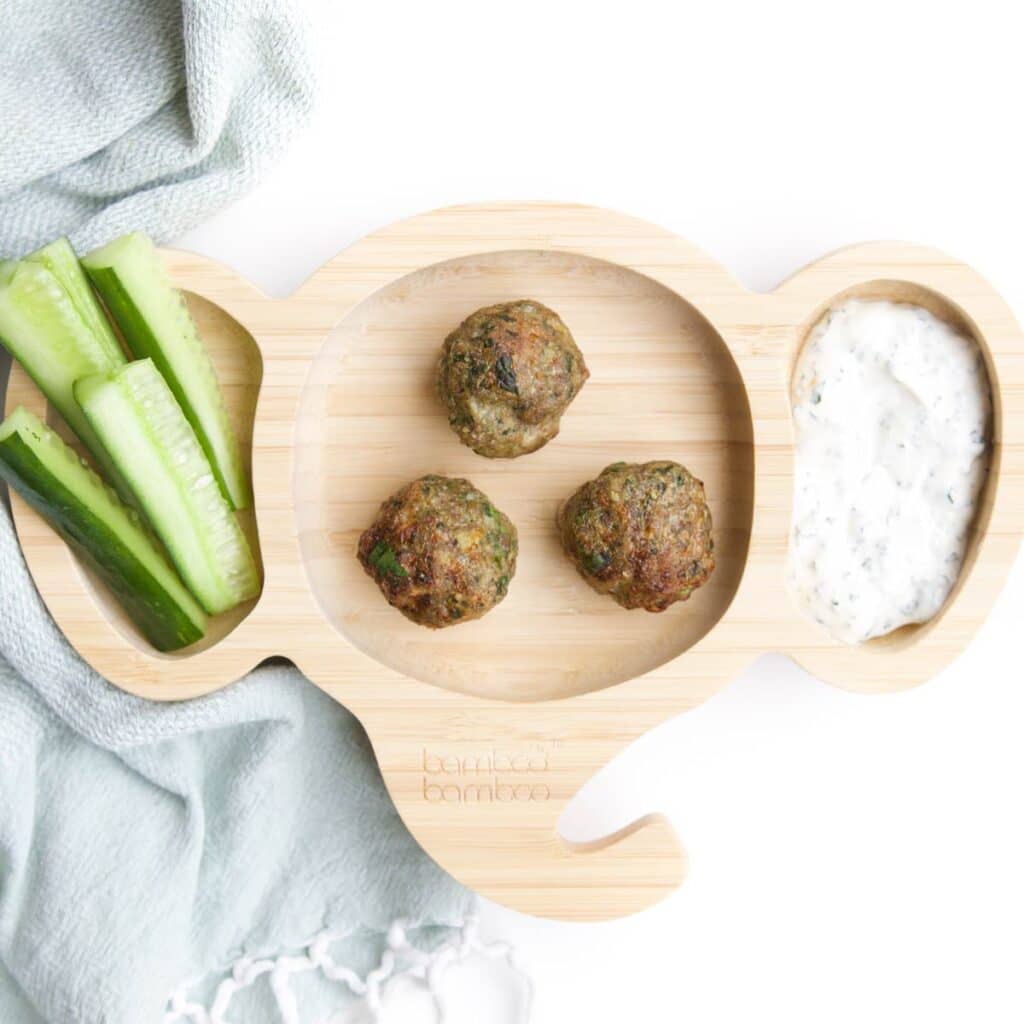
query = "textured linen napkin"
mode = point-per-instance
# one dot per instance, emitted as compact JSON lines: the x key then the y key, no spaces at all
{"x":145,"y":848}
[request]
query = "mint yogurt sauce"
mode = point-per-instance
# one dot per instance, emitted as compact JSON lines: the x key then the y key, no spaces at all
{"x":891,"y":409}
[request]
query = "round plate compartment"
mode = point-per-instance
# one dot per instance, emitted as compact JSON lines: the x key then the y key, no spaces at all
{"x":662,"y":385}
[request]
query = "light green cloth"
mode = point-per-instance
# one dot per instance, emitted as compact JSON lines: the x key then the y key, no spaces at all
{"x":141,"y":844}
{"x":144,"y":115}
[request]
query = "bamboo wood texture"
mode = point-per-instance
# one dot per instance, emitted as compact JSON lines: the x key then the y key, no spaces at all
{"x":485,"y":731}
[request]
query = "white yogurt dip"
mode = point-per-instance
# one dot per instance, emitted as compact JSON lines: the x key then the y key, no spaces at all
{"x":891,"y":410}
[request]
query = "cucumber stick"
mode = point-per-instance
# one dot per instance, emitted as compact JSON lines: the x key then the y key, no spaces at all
{"x":105,"y":533}
{"x":139,"y":422}
{"x":59,"y":258}
{"x":52,"y":324}
{"x":156,"y":324}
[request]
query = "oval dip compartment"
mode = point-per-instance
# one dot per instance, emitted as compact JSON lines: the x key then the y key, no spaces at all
{"x":662,"y":385}
{"x":239,"y":366}
{"x":905,"y":294}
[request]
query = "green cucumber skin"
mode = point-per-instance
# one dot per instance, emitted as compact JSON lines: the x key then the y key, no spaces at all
{"x":143,"y":343}
{"x":157,"y":614}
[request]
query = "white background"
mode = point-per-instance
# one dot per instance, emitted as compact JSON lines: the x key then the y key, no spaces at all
{"x":852,"y":858}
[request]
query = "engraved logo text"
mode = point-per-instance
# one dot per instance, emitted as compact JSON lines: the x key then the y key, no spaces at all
{"x":486,"y":776}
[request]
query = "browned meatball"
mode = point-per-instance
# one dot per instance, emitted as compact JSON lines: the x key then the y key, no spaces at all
{"x":440,"y":552}
{"x":641,"y":533}
{"x":506,"y":375}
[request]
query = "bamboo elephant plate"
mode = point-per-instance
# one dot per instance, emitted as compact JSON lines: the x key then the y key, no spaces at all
{"x":485,"y":731}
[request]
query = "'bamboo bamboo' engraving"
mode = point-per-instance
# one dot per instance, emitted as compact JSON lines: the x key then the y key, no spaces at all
{"x":487,"y":776}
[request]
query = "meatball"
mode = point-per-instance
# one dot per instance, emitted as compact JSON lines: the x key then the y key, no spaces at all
{"x":506,"y":375}
{"x":440,"y":552}
{"x":641,"y":533}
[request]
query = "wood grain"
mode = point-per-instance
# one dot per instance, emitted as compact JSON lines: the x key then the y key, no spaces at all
{"x":484,"y":732}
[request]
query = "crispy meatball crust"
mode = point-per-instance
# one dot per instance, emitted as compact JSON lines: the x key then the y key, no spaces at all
{"x":506,"y":375}
{"x":440,"y":552}
{"x":640,"y":533}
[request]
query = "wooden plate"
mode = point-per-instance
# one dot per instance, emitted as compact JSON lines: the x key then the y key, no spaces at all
{"x":486,"y":731}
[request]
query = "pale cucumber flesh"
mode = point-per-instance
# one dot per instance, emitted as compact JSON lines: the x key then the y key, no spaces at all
{"x":156,"y":324}
{"x":43,"y":327}
{"x":59,"y":258}
{"x":139,"y":422}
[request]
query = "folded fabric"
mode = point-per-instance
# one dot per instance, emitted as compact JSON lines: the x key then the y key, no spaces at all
{"x":142,"y":845}
{"x":145,"y":848}
{"x":143,"y":115}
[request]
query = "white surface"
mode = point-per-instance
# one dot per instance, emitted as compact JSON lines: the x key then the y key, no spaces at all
{"x":852,"y":859}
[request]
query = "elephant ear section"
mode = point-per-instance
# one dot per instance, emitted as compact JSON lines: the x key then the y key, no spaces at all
{"x":960,"y":298}
{"x":229,"y":315}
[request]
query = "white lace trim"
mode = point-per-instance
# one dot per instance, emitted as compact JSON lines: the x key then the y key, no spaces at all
{"x":400,"y":959}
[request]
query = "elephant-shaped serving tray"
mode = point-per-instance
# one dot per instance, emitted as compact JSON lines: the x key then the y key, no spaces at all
{"x":485,"y":731}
